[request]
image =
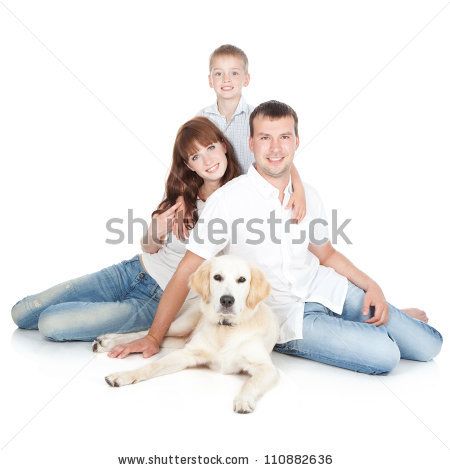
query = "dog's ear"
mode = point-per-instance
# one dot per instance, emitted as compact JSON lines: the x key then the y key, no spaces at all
{"x":259,"y":288}
{"x":199,"y":280}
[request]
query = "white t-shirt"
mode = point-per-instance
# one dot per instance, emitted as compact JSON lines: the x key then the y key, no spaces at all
{"x":239,"y":214}
{"x":162,"y":265}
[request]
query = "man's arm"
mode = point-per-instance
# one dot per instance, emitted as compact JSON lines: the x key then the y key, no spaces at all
{"x":174,"y":296}
{"x":330,"y":257}
{"x":171,"y":302}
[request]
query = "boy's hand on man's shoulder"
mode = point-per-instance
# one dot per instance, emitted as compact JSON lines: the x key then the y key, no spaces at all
{"x":297,"y":204}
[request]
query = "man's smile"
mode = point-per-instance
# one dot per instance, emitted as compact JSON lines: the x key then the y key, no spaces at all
{"x":275,"y":159}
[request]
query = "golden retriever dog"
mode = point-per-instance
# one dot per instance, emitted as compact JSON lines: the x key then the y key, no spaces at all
{"x":229,"y":329}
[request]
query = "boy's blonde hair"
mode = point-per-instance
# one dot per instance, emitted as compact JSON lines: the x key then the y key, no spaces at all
{"x":228,"y":49}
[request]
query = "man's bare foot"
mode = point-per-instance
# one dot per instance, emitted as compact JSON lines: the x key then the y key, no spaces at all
{"x":416,"y":313}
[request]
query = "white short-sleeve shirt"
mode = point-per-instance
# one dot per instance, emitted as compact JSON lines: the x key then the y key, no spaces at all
{"x":245,"y":218}
{"x":162,"y":265}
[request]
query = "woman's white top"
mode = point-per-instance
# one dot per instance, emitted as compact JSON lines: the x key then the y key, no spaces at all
{"x":162,"y":265}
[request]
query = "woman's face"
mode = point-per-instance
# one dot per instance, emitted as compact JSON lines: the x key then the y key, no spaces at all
{"x":209,"y":162}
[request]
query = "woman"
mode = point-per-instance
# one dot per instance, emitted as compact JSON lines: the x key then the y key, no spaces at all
{"x":124,"y":297}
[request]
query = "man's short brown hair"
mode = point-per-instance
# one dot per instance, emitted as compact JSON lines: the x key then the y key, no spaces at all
{"x":228,"y":49}
{"x":273,"y":110}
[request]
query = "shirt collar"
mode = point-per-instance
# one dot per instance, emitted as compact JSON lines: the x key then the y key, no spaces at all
{"x":264,"y":187}
{"x":242,"y":107}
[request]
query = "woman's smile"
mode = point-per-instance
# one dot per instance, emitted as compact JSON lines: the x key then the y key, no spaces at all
{"x":213,"y":169}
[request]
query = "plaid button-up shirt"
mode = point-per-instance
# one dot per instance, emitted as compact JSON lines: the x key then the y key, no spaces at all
{"x":237,"y":130}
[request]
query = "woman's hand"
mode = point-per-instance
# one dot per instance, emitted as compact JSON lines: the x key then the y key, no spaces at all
{"x":179,"y":228}
{"x":166,"y":221}
{"x":160,"y":226}
{"x":147,"y":345}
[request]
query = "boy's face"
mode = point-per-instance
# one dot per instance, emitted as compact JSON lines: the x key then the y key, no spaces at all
{"x":228,"y":76}
{"x":274,"y":144}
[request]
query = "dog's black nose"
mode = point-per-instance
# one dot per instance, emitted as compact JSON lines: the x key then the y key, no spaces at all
{"x":227,"y":301}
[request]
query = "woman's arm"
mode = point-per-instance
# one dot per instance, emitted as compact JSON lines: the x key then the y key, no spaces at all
{"x":160,"y":226}
{"x":171,"y":302}
{"x":149,"y":244}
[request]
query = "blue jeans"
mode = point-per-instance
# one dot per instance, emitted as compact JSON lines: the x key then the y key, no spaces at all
{"x":346,"y":341}
{"x":119,"y":299}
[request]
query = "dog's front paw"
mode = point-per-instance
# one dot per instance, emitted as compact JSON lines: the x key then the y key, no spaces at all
{"x":121,"y":378}
{"x":105,"y":343}
{"x":244,"y":404}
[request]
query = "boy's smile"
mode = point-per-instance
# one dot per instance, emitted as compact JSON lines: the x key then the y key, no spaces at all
{"x":228,"y":76}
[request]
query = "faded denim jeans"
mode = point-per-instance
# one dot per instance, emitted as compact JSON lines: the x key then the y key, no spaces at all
{"x":119,"y":299}
{"x":346,"y":341}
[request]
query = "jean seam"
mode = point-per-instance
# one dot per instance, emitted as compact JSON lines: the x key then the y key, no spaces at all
{"x":136,"y":281}
{"x":132,"y":260}
{"x":156,"y":293}
{"x":308,"y":355}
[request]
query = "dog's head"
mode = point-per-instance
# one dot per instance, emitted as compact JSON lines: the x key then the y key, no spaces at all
{"x":230,"y":287}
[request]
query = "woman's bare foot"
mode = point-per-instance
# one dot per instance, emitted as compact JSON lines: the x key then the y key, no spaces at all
{"x":416,"y":313}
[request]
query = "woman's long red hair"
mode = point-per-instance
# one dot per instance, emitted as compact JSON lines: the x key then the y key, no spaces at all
{"x":184,"y":182}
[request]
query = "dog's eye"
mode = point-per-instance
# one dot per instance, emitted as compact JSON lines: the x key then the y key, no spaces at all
{"x":218,"y":277}
{"x":241,"y":279}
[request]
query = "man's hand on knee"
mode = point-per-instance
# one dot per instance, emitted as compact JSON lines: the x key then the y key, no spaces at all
{"x":375,"y":298}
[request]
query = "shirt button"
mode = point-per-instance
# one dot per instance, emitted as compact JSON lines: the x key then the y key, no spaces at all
{"x":141,"y":275}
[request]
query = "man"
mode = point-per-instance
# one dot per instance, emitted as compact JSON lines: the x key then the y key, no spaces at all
{"x":328,"y":309}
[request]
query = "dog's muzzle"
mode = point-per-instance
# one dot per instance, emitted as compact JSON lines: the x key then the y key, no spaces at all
{"x":225,"y":322}
{"x":227,"y":301}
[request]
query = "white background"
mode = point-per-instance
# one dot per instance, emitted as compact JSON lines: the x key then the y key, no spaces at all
{"x":91,"y":96}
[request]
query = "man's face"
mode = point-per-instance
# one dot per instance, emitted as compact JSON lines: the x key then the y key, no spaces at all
{"x":274,"y":144}
{"x":228,"y":76}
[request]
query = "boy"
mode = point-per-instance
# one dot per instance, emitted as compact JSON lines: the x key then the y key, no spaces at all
{"x":228,"y":74}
